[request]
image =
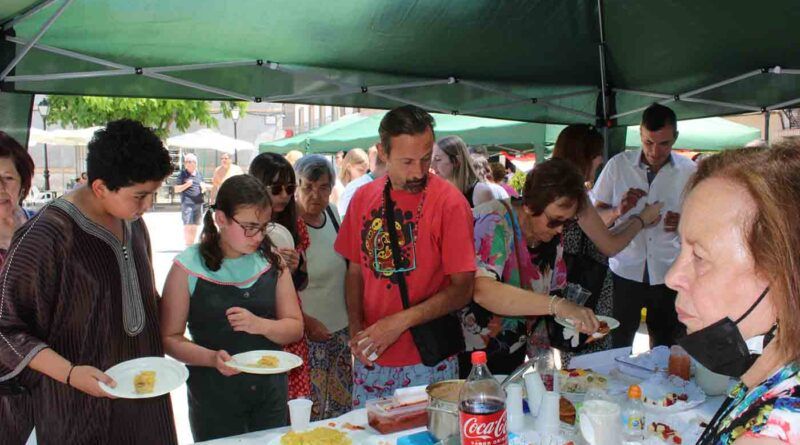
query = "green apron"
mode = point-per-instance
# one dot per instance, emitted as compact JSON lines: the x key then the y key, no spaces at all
{"x":222,"y":406}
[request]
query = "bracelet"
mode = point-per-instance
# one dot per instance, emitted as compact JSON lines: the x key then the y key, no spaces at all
{"x":550,"y":308}
{"x":69,"y":374}
{"x":640,"y":220}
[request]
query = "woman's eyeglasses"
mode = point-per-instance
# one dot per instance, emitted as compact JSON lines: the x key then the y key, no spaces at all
{"x":276,"y":189}
{"x":251,"y":230}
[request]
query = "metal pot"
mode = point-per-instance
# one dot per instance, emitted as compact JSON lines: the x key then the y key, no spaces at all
{"x":443,"y":409}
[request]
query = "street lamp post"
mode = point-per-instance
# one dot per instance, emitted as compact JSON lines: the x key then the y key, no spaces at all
{"x":235,"y":116}
{"x":44,"y":110}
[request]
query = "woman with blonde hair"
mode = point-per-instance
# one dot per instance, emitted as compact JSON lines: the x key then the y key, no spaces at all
{"x":354,"y":165}
{"x":451,"y":161}
{"x":738,"y":289}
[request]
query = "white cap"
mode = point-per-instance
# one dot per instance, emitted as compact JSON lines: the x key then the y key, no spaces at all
{"x":189,"y":157}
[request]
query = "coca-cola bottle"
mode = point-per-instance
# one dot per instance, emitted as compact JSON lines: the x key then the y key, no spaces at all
{"x":482,"y":406}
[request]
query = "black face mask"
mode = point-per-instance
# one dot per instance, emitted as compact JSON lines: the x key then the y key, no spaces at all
{"x":721,"y":348}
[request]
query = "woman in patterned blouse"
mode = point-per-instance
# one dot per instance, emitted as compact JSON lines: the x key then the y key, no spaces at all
{"x":738,"y":267}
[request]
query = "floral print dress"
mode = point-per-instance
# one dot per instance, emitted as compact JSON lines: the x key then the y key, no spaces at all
{"x":770,"y":410}
{"x":540,"y":269}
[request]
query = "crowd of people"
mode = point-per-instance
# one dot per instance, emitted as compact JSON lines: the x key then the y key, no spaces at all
{"x":389,"y":273}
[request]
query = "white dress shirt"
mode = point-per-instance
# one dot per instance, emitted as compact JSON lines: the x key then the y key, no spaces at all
{"x":654,"y":245}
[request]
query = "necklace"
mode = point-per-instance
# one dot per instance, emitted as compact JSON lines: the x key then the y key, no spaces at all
{"x":418,"y":217}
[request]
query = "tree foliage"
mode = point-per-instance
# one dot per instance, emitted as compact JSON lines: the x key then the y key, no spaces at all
{"x":159,"y":114}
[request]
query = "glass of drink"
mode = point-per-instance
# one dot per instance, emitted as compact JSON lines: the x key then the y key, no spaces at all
{"x":679,"y":362}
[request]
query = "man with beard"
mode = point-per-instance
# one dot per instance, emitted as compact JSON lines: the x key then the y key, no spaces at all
{"x":433,"y":224}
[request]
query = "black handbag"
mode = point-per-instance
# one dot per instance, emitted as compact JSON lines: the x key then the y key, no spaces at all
{"x":439,"y":338}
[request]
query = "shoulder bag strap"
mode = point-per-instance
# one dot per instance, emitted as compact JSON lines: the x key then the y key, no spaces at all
{"x":395,"y":245}
{"x":332,"y":217}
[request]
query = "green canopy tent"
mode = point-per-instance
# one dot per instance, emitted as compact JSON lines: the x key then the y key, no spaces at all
{"x":363,"y":132}
{"x":708,"y":134}
{"x":711,"y":134}
{"x":550,"y":61}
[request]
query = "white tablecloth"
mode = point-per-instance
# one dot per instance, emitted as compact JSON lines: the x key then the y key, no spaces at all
{"x":602,"y":362}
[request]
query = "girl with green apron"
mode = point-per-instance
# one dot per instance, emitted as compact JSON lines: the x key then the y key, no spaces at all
{"x":235,"y":294}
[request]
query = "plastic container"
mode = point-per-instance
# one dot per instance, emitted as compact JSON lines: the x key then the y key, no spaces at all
{"x":633,"y":415}
{"x":387,"y":416}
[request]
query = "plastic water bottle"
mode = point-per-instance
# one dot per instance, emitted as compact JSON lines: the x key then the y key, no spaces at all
{"x":482,"y":406}
{"x":633,"y":419}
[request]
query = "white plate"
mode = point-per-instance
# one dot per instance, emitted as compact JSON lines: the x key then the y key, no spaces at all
{"x":612,"y":322}
{"x":170,"y":375}
{"x":657,"y":386}
{"x":286,"y":362}
{"x":280,"y":236}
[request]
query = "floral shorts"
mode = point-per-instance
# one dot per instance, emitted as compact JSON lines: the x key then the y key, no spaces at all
{"x":381,"y":381}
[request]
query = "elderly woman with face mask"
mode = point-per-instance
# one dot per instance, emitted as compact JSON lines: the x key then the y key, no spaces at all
{"x":738,"y":285}
{"x":324,"y":308}
{"x":520,"y":259}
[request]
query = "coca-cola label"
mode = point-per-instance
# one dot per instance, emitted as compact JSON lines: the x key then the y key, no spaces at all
{"x":483,"y":429}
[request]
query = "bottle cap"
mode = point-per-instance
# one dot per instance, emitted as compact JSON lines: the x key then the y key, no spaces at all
{"x":634,"y":392}
{"x":479,"y":358}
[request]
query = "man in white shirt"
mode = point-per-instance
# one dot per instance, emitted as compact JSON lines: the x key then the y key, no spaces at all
{"x":377,"y":168}
{"x":629,"y":181}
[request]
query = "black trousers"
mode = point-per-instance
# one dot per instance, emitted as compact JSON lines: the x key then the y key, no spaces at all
{"x":662,"y":320}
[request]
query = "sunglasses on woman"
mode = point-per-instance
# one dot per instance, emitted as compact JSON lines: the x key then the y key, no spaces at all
{"x":277,"y":188}
{"x":553,"y":223}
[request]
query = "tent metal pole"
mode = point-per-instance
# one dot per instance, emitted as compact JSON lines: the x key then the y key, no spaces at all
{"x":590,"y":116}
{"x":721,"y":104}
{"x":197,"y":86}
{"x":11,"y":23}
{"x":783,"y":104}
{"x":294,"y":97}
{"x":422,"y":83}
{"x":200,"y":66}
{"x":494,"y":90}
{"x":601,"y":48}
{"x":714,"y":86}
{"x":766,"y":126}
{"x":566,"y":95}
{"x":35,"y":39}
{"x":408,"y":102}
{"x":644,"y":93}
{"x":71,"y":54}
{"x":346,"y":85}
{"x":67,"y":76}
{"x":785,"y":71}
{"x":640,"y":109}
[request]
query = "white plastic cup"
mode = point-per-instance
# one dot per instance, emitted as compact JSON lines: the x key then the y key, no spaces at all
{"x":300,"y":414}
{"x":535,"y":389}
{"x":548,"y":421}
{"x":516,"y":419}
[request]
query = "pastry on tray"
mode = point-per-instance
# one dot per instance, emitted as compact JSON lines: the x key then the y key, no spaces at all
{"x":566,"y":411}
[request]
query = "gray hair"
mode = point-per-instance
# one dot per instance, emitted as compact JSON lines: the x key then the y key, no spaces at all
{"x":313,"y":167}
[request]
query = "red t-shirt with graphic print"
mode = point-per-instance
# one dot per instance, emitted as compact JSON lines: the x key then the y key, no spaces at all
{"x":443,"y":245}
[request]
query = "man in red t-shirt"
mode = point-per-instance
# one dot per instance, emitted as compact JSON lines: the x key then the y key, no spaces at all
{"x":434,"y":228}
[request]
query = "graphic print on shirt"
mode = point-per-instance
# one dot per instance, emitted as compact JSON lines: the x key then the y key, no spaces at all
{"x":376,"y":247}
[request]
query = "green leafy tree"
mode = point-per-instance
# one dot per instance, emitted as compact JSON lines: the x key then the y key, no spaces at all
{"x":159,"y":114}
